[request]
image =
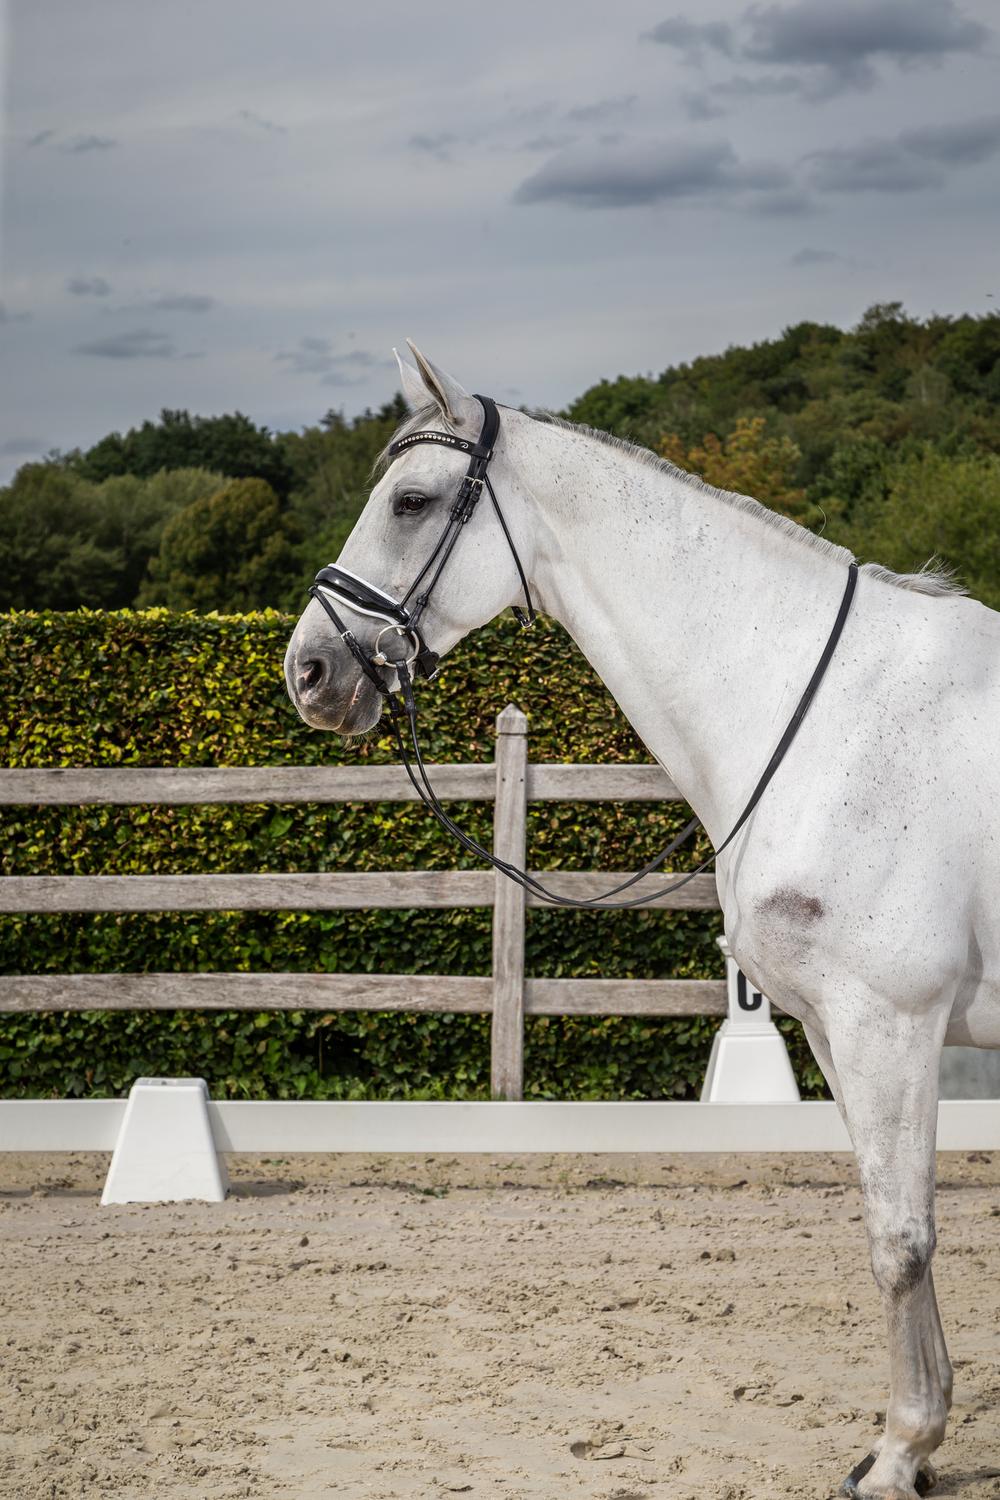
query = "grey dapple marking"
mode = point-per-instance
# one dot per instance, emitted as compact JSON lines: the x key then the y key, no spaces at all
{"x":862,"y":893}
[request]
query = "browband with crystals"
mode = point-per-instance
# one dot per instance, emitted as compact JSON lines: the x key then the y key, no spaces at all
{"x":432,"y":436}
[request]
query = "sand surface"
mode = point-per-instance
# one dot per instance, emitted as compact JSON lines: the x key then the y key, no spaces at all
{"x":678,"y":1328}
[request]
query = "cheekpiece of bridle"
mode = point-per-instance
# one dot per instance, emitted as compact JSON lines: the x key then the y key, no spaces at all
{"x":335,"y":586}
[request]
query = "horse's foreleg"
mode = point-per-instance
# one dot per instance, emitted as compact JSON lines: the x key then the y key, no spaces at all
{"x":820,"y":1049}
{"x":886,"y":1066}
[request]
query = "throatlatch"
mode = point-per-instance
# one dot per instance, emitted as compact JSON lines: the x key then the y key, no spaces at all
{"x":340,"y":585}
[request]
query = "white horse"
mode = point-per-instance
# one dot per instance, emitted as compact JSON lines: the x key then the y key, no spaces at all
{"x":862,"y":893}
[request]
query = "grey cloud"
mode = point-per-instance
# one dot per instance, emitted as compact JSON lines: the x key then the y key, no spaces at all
{"x":632,"y":173}
{"x":709,"y":104}
{"x":316,"y":356}
{"x":252,"y":118}
{"x":527,"y":115}
{"x":6,"y":316}
{"x":872,"y":167}
{"x":809,"y":256}
{"x":611,"y":178}
{"x":312,"y":357}
{"x":790,"y":204}
{"x":497,"y":133}
{"x":74,"y":144}
{"x":602,"y":109}
{"x":191,"y":302}
{"x":139,"y":343}
{"x":843,"y":38}
{"x":547,"y":142}
{"x":836,"y":43}
{"x":908,"y":162}
{"x":353,"y":368}
{"x":964,"y":144}
{"x":771,"y":86}
{"x":22,"y":447}
{"x":437,"y":145}
{"x":692,"y":38}
{"x":88,"y":286}
{"x":80,"y":143}
{"x":702,"y":107}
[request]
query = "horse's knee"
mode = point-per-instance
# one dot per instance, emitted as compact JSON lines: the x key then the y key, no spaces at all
{"x":901,"y":1256}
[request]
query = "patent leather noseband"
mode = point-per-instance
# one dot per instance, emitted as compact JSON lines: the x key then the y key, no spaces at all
{"x":335,"y":586}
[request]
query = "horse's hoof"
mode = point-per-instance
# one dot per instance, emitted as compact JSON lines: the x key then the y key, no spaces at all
{"x":923,"y":1484}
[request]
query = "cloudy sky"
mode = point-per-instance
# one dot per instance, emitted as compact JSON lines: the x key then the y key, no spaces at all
{"x":244,"y":203}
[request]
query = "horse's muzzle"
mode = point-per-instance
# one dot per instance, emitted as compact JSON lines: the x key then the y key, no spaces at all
{"x":330,"y":693}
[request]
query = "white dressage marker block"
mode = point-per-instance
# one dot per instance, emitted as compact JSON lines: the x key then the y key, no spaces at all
{"x":749,"y":1063}
{"x":166,"y":1151}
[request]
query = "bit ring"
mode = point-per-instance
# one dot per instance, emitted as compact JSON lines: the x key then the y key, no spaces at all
{"x":379,"y":657}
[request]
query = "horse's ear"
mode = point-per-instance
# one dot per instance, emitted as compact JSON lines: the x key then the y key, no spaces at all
{"x":414,"y":390}
{"x":454,"y":403}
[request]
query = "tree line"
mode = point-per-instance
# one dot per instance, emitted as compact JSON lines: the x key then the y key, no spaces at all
{"x":886,"y":437}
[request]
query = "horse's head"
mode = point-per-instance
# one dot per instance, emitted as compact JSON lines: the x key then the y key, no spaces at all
{"x":391,"y":560}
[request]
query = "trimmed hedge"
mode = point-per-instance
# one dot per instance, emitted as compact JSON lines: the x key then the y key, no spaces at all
{"x":154,"y":688}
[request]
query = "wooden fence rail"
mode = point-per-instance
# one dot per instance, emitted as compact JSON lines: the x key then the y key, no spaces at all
{"x":511,"y":782}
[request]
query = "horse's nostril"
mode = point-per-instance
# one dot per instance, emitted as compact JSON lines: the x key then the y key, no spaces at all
{"x":310,"y":675}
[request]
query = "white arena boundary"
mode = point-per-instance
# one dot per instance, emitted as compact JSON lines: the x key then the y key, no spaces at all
{"x":492,"y":1128}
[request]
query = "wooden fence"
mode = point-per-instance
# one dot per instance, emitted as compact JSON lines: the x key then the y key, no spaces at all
{"x":510,"y":783}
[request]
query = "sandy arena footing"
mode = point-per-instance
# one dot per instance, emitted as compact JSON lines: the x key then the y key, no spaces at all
{"x":610,"y":1328}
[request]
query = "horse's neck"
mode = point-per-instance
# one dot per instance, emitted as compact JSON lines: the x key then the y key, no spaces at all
{"x":703,"y":621}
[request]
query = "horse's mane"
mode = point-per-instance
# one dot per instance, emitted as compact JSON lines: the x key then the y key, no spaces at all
{"x":931,"y":579}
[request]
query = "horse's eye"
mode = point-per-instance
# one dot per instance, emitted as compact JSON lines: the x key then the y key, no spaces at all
{"x":412,"y":502}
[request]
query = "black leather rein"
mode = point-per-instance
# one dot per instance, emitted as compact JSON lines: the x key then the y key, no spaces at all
{"x":337,"y":583}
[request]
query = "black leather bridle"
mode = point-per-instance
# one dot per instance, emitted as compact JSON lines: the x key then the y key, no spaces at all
{"x":340,"y":585}
{"x":336,"y":583}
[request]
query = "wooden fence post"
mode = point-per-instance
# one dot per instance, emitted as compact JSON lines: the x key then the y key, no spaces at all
{"x":510,"y":814}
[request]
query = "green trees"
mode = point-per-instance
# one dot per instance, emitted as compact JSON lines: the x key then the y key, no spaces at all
{"x":48,"y":547}
{"x":227,"y":445}
{"x":65,"y":542}
{"x":827,"y":425}
{"x":228,"y":551}
{"x":331,"y":467}
{"x":625,"y":406}
{"x":936,"y":506}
